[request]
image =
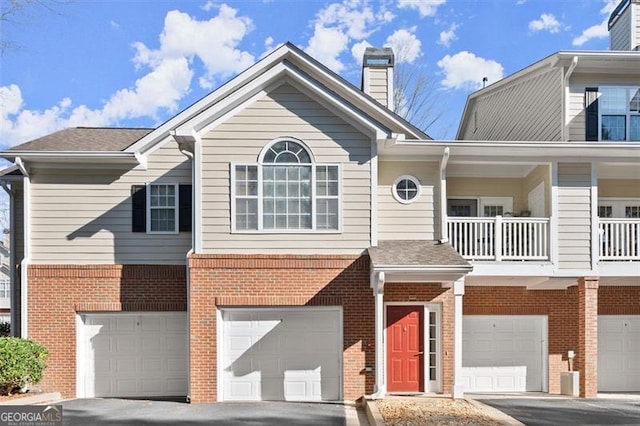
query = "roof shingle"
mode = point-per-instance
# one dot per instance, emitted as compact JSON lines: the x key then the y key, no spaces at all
{"x":415,"y":253}
{"x":85,"y":139}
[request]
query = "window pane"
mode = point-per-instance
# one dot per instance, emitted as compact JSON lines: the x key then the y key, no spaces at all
{"x":163,"y":220}
{"x":327,"y":214}
{"x":614,"y":128}
{"x":613,"y":100}
{"x":632,"y":212}
{"x":634,"y":125}
{"x":605,"y":211}
{"x":247,"y":214}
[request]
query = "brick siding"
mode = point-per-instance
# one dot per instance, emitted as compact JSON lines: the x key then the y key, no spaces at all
{"x":58,"y":292}
{"x":281,"y":280}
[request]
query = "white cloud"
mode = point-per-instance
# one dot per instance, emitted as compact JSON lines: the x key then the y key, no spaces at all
{"x":425,"y":7}
{"x":446,"y":37}
{"x":600,"y":30}
{"x":546,"y":22}
{"x":464,"y":70}
{"x":338,"y":24}
{"x":357,"y":50}
{"x":406,"y":46}
{"x":209,"y":6}
{"x":167,"y":78}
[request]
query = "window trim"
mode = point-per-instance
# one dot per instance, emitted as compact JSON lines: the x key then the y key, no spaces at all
{"x":176,"y":204}
{"x":394,"y":189}
{"x":261,"y":229}
{"x":627,"y":114}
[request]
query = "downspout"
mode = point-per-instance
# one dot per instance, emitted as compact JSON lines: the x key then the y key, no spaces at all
{"x":190,"y":156}
{"x":565,"y":95}
{"x":444,"y":235}
{"x":377,"y":283}
{"x":12,"y":257}
{"x":26,"y":260}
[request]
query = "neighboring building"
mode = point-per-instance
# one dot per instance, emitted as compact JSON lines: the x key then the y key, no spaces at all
{"x":289,"y":237}
{"x":5,"y":280}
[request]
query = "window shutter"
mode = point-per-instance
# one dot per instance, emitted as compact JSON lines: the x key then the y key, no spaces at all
{"x":138,"y":208}
{"x":184,"y":208}
{"x":591,"y":113}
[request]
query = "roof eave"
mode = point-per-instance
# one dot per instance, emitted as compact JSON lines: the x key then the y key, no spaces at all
{"x":89,"y":157}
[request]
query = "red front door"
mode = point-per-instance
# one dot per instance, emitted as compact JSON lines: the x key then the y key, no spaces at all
{"x":405,"y":347}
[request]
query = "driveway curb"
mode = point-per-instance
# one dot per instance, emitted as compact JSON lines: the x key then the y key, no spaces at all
{"x":38,"y":398}
{"x":373,"y":414}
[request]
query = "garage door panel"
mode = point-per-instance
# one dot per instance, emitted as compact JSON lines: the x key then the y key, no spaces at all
{"x":503,"y":353}
{"x":281,"y":353}
{"x":126,"y":354}
{"x":619,"y":353}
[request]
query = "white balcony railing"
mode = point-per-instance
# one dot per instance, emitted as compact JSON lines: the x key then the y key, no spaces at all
{"x":619,"y":239}
{"x":500,"y":238}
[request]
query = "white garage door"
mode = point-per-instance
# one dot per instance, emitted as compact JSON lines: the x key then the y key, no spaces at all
{"x":132,"y":354}
{"x":291,"y":354}
{"x":504,"y":353}
{"x":619,"y":353}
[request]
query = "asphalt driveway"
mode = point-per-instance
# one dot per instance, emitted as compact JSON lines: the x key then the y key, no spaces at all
{"x":569,"y":411}
{"x":97,"y":412}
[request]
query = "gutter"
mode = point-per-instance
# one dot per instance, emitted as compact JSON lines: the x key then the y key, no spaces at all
{"x":565,"y":96}
{"x":12,"y":257}
{"x":26,"y":260}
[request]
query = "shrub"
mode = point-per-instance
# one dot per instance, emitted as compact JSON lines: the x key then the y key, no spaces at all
{"x":22,"y":362}
{"x":5,"y":329}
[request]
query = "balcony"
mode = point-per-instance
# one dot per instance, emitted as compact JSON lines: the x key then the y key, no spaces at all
{"x":619,"y":239}
{"x":500,"y":238}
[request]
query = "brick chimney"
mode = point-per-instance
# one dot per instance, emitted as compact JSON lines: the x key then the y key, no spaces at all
{"x":377,"y":74}
{"x":624,"y":26}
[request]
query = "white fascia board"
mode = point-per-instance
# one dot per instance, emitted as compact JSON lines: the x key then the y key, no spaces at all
{"x":118,"y":157}
{"x":367,"y":105}
{"x":205,"y":122}
{"x":210,"y":99}
{"x":627,"y":152}
{"x":436,"y":269}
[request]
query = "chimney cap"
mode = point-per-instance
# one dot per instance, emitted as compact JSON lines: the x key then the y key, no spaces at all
{"x":378,"y":57}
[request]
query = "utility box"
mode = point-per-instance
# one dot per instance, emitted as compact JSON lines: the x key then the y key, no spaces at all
{"x":570,"y":383}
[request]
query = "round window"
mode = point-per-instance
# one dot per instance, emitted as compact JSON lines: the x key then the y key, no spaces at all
{"x":406,"y":189}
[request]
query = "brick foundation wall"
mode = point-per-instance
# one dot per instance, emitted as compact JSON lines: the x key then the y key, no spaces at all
{"x":560,"y":306}
{"x":619,"y":300}
{"x":58,"y":292}
{"x":282,"y":280}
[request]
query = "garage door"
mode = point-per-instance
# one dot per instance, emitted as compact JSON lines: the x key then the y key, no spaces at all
{"x":619,"y":353}
{"x":504,"y":353}
{"x":132,"y":355}
{"x":292,"y":354}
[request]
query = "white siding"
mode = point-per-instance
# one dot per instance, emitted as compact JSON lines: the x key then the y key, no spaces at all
{"x":526,"y":109}
{"x":416,"y":221}
{"x":379,"y":84}
{"x":575,"y":102}
{"x":636,"y":31}
{"x":285,"y":112}
{"x":84,"y":216}
{"x":574,"y":216}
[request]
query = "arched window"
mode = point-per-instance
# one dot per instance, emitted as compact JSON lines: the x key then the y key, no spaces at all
{"x":286,"y":191}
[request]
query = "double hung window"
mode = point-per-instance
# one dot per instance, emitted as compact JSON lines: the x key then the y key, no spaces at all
{"x":286,"y":191}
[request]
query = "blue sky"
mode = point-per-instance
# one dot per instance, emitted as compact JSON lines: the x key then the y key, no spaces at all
{"x":136,"y":63}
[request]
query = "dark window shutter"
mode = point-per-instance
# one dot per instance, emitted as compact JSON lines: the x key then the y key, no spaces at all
{"x":591,"y":113}
{"x":184,"y":208}
{"x":138,"y":208}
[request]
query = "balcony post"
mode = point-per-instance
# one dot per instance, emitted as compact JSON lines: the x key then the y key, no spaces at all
{"x":498,"y":238}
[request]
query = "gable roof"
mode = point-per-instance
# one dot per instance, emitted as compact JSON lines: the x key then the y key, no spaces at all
{"x":599,"y":62}
{"x":291,"y":62}
{"x":85,"y":139}
{"x":286,"y":62}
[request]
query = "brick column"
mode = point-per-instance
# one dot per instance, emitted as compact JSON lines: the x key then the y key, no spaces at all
{"x":587,"y":353}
